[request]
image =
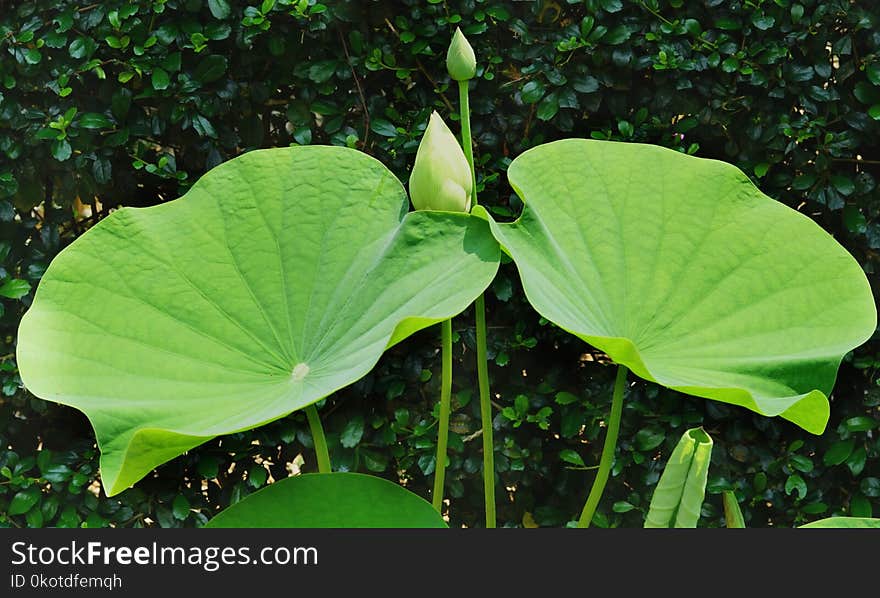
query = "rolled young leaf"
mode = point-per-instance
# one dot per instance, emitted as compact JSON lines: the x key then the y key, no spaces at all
{"x":680,"y":269}
{"x":678,"y":497}
{"x":279,"y":278}
{"x":330,"y":500}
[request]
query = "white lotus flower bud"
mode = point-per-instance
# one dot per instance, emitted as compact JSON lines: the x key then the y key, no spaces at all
{"x":441,"y":178}
{"x":460,"y":60}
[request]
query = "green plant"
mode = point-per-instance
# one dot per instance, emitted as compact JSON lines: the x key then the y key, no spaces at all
{"x":678,"y":498}
{"x":663,"y":261}
{"x":280,"y":320}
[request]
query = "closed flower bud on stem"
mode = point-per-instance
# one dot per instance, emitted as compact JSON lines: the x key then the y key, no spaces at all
{"x":441,"y":178}
{"x":460,"y":60}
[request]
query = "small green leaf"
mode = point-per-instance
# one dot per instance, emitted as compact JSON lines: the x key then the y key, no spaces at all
{"x":796,"y":483}
{"x":203,"y":126}
{"x":866,"y":93}
{"x":857,"y":460}
{"x":160,"y":79}
{"x":859,"y":506}
{"x":208,"y":467}
{"x":802,"y":463}
{"x":571,"y":456}
{"x":728,"y":24}
{"x":585,"y":84}
{"x":180,"y":507}
{"x":322,"y":70}
{"x":32,"y":56}
{"x":873,"y":72}
{"x":211,"y":68}
{"x":102,"y":169}
{"x":566,"y":398}
{"x":257,"y":476}
{"x":763,"y":22}
{"x":80,"y":47}
{"x":23,"y":500}
{"x":380,"y":126}
{"x":532,"y":92}
{"x":548,"y":107}
{"x":353,"y":432}
{"x":839,"y":452}
{"x":15,"y":288}
{"x":843,"y":184}
{"x":648,"y":439}
{"x":616,"y":35}
{"x":860,"y":423}
{"x":622,"y":506}
{"x":94,"y":120}
{"x":521,"y":405}
{"x":870,"y":487}
{"x":219,"y":8}
{"x":61,"y":150}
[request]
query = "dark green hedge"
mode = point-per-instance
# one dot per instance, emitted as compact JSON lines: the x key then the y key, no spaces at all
{"x":127,"y":103}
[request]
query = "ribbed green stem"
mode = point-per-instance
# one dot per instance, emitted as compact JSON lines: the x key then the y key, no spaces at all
{"x":445,"y":408}
{"x":485,"y":413}
{"x":318,"y":438}
{"x":480,"y":314}
{"x":607,"y":459}
{"x":464,"y":108}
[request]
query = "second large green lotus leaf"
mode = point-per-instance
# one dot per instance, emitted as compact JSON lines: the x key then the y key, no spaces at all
{"x":280,"y":277}
{"x":331,"y":500}
{"x":679,"y":268}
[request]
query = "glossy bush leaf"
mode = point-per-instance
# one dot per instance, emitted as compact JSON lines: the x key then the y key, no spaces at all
{"x":330,"y":500}
{"x":678,"y":498}
{"x":15,"y":288}
{"x":844,"y":522}
{"x":680,"y":269}
{"x":24,"y":500}
{"x":279,"y":278}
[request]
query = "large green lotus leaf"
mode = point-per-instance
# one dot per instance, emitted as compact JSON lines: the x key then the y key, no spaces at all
{"x":844,"y":522}
{"x":280,"y":277}
{"x":340,"y":500}
{"x":680,"y":269}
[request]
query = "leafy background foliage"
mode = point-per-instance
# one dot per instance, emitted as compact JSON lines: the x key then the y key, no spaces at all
{"x":128,"y":103}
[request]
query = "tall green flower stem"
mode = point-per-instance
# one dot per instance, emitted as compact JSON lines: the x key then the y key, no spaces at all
{"x":445,"y":400}
{"x":318,"y":438}
{"x":607,"y":459}
{"x":480,"y":315}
